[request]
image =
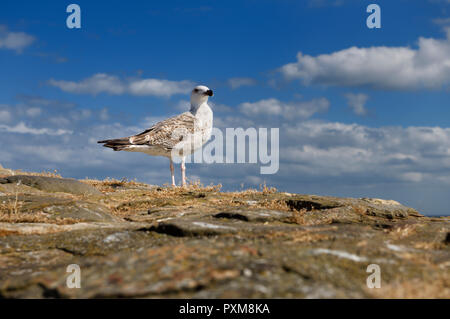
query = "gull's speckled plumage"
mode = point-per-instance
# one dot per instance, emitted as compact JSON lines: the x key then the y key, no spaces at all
{"x":180,"y":135}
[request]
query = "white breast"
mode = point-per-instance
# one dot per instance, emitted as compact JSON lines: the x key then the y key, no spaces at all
{"x":204,"y":122}
{"x":202,"y":133}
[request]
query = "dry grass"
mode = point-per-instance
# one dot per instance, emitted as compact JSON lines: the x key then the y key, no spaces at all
{"x":298,"y":216}
{"x":403,"y":232}
{"x":11,"y":212}
{"x":111,"y":184}
{"x":53,"y":173}
{"x":11,"y":207}
{"x":434,"y":245}
{"x":197,"y":186}
{"x":264,"y":189}
{"x":126,"y":197}
{"x":35,"y":217}
{"x":360,"y":210}
{"x":135,"y":196}
{"x":297,"y":236}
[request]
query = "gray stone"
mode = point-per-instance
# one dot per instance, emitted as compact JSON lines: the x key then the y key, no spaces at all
{"x":203,"y":243}
{"x":191,"y":228}
{"x":58,"y":208}
{"x":52,"y":184}
{"x":82,"y":211}
{"x":262,"y":215}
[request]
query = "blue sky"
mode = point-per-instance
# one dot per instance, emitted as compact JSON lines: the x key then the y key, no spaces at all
{"x":377,"y":100}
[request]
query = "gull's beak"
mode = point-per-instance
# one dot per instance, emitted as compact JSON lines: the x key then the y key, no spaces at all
{"x":209,"y":93}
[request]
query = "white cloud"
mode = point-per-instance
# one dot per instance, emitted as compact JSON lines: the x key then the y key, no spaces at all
{"x":14,"y":40}
{"x":412,"y":177}
{"x":98,"y":83}
{"x":357,"y":103}
{"x":59,"y":121}
{"x":158,"y":87}
{"x":396,"y":68}
{"x":236,"y":120}
{"x":235,"y":83}
{"x":22,"y":128}
{"x":221,"y":108}
{"x":111,"y":84}
{"x":5,"y":116}
{"x":104,"y":114}
{"x":33,"y":111}
{"x":289,"y":111}
{"x":183,"y":105}
{"x":386,"y":153}
{"x":81,"y":114}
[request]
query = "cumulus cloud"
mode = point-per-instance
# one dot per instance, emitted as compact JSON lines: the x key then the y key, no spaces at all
{"x":111,"y":84}
{"x":98,"y":83}
{"x":395,"y":68}
{"x":386,"y":153}
{"x":220,"y":108}
{"x":235,"y":83}
{"x":16,"y":41}
{"x":289,"y":111}
{"x":22,"y":128}
{"x":357,"y":103}
{"x":158,"y":87}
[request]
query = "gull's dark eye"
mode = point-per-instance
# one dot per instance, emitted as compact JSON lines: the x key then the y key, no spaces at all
{"x":195,"y":90}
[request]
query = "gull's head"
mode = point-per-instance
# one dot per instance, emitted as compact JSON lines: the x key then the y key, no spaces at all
{"x":200,"y":94}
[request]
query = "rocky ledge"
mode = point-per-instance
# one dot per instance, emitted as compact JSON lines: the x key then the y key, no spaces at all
{"x":136,"y":240}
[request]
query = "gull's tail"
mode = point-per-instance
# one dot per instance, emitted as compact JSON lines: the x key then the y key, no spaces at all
{"x":117,"y":144}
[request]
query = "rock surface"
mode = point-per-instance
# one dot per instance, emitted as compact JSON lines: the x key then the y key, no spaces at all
{"x":51,"y":184}
{"x":134,"y":240}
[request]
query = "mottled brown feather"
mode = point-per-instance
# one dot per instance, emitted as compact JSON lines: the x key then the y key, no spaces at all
{"x":166,"y":133}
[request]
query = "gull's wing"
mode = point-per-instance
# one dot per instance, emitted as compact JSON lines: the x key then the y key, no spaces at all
{"x":166,"y":133}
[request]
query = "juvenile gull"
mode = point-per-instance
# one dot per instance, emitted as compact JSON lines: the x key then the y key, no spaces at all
{"x":177,"y":136}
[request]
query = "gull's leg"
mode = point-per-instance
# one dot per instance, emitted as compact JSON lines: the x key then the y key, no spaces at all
{"x":183,"y":172}
{"x":172,"y":172}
